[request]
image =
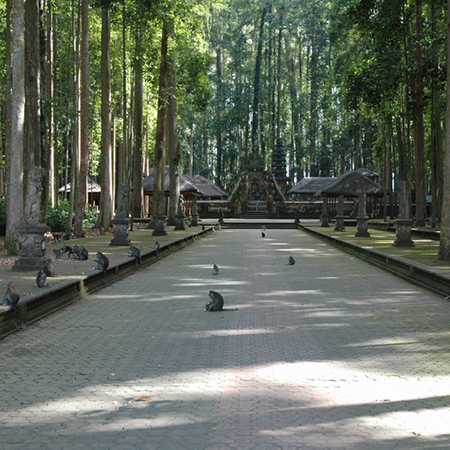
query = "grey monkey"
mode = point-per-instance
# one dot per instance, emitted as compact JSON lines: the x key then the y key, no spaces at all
{"x":102,"y":262}
{"x":135,"y":253}
{"x":215,"y":269}
{"x":216,"y":303}
{"x":41,"y":279}
{"x":291,"y":261}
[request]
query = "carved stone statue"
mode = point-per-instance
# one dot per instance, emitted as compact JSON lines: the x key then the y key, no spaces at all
{"x":122,"y":202}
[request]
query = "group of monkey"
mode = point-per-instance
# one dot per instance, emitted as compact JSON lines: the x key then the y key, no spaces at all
{"x":11,"y":296}
{"x":217,"y":300}
{"x":78,"y":253}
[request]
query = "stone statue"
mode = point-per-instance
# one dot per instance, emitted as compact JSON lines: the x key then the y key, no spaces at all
{"x":122,"y":202}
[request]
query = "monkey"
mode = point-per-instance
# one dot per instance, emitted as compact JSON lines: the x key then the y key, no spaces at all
{"x":41,"y":279}
{"x":263,"y":235}
{"x":59,"y":252}
{"x":158,"y":247}
{"x":215,"y":269}
{"x":102,"y":262}
{"x":203,"y":228}
{"x":216,"y":303}
{"x":49,"y":268}
{"x":11,"y":297}
{"x":80,"y":253}
{"x":135,"y":253}
{"x":291,"y":261}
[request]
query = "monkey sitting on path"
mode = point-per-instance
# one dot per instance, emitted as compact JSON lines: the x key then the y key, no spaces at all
{"x":135,"y":253}
{"x":216,"y":303}
{"x":102,"y":262}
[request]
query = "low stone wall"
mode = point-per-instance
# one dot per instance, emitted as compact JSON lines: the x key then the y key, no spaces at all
{"x":36,"y":307}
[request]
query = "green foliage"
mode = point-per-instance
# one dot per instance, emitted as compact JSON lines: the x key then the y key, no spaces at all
{"x":58,"y":217}
{"x":90,"y":217}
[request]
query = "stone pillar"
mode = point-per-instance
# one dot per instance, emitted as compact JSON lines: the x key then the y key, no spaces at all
{"x":121,"y":221}
{"x":159,"y":223}
{"x":120,"y":232}
{"x":340,"y":223}
{"x":324,"y":223}
{"x":403,"y":224}
{"x":180,"y":225}
{"x":195,"y":216}
{"x":32,"y":248}
{"x":362,"y":219}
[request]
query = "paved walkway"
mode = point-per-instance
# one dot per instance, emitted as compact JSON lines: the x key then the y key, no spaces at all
{"x":328,"y":354}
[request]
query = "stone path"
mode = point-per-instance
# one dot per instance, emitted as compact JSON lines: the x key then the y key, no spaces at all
{"x":328,"y":354}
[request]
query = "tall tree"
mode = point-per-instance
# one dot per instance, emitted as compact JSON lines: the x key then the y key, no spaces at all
{"x":81,"y":192}
{"x":106,"y":198}
{"x":14,"y":214}
{"x":137,"y":164}
{"x":444,"y":248}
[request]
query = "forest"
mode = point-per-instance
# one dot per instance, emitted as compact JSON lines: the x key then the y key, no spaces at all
{"x":105,"y":90}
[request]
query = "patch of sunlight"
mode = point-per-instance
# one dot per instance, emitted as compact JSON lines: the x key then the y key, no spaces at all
{"x":268,"y":274}
{"x":226,"y":333}
{"x":209,"y":266}
{"x":214,"y":281}
{"x":386,"y":341}
{"x":280,"y":244}
{"x":286,"y":293}
{"x":327,"y":278}
{"x":162,"y":421}
{"x":114,"y":296}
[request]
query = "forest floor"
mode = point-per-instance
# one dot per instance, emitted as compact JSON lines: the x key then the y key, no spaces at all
{"x":331,"y":353}
{"x":67,"y":270}
{"x":425,"y":251}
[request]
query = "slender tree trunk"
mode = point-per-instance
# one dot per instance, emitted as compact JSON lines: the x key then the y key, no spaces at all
{"x":219,"y":116}
{"x":158,"y":191}
{"x":123,"y":171}
{"x":32,"y":137}
{"x":136,"y":175}
{"x":84,"y":120}
{"x":106,"y":197}
{"x":314,"y":111}
{"x":52,"y":177}
{"x":436,"y":132}
{"x":173,"y":149}
{"x":419,"y":133}
{"x":14,"y":214}
{"x":255,"y":144}
{"x":444,"y":248}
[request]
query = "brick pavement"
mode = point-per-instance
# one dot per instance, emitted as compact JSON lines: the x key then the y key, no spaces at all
{"x":328,"y":354}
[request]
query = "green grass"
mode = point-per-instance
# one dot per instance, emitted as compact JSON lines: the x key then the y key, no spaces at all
{"x":424,"y":252}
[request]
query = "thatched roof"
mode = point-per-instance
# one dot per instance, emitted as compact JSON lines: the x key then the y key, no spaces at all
{"x":353,"y":184}
{"x":195,"y":184}
{"x":350,"y":184}
{"x":93,"y":187}
{"x":206,"y":188}
{"x":185,"y":185}
{"x":313,"y":185}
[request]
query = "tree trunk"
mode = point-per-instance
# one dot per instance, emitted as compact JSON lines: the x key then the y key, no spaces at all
{"x":255,"y":144}
{"x":219,"y":116}
{"x":52,"y":177}
{"x":32,"y":137}
{"x":81,"y":193}
{"x":136,"y":175}
{"x":436,"y":131}
{"x":123,"y":171}
{"x":173,"y":149}
{"x":106,"y":200}
{"x":158,"y":190}
{"x":444,"y":248}
{"x":14,"y":212}
{"x":419,"y":134}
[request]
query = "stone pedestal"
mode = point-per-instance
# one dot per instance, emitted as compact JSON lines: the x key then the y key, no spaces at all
{"x":195,"y":216}
{"x":340,"y":223}
{"x":180,"y":225}
{"x":403,"y":233}
{"x":120,"y":232}
{"x":362,"y":226}
{"x":159,"y":226}
{"x":324,"y":219}
{"x":32,"y":248}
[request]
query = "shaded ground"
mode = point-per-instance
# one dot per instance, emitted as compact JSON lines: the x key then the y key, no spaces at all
{"x":424,"y":252}
{"x":68,"y":270}
{"x":331,"y":353}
